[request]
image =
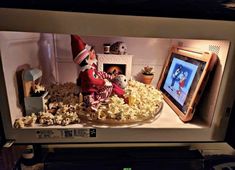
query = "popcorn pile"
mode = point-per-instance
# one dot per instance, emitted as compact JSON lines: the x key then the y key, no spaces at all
{"x":27,"y":121}
{"x":144,"y":101}
{"x":66,"y":93}
{"x":39,"y":88}
{"x":62,"y":115}
{"x":64,"y":107}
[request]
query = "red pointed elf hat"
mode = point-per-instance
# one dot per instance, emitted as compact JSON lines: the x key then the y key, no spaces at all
{"x":79,"y":49}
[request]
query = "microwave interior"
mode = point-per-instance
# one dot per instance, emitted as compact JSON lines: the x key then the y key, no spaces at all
{"x":34,"y":60}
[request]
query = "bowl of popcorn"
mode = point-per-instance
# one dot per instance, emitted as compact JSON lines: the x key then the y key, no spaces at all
{"x":144,"y":104}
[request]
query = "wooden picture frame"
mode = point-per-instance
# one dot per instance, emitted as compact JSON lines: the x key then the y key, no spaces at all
{"x":183,"y":79}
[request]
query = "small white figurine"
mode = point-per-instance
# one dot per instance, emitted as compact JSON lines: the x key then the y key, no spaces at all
{"x":118,"y":48}
{"x":120,"y":80}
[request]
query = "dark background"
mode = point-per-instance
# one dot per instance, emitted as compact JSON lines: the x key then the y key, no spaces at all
{"x":2,"y":139}
{"x":199,"y":9}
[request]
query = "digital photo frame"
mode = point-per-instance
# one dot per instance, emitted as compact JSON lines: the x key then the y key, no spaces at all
{"x":183,"y":79}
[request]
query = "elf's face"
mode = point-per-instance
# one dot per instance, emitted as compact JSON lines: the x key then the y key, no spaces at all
{"x":92,"y":54}
{"x":89,"y":61}
{"x":92,"y":58}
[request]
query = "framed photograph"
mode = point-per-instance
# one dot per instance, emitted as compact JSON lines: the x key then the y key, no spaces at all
{"x":183,"y":79}
{"x":115,"y":64}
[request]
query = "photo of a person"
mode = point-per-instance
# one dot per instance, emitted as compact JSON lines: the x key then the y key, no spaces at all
{"x":175,"y":76}
{"x":179,"y":79}
{"x":182,"y":80}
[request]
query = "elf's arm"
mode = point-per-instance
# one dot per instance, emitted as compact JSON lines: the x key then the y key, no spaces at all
{"x":104,"y":75}
{"x":93,"y":80}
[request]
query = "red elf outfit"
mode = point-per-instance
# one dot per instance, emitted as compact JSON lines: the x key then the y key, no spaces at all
{"x":95,"y":85}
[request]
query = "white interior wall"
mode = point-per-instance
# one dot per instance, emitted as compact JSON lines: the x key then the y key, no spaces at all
{"x":67,"y":69}
{"x":23,"y":50}
{"x":17,"y":50}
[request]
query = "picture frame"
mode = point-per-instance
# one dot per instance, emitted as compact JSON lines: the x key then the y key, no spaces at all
{"x":183,"y":79}
{"x":115,"y":64}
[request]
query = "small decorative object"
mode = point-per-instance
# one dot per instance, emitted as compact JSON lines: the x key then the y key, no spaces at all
{"x":115,"y":64}
{"x":106,"y":48}
{"x":118,"y":47}
{"x":120,"y":80}
{"x":147,"y":74}
{"x":34,"y":94}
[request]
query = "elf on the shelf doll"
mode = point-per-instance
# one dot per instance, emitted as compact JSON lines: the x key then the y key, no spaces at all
{"x":96,"y":86}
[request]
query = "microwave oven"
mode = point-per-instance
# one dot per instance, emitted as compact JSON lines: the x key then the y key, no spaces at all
{"x":41,"y":40}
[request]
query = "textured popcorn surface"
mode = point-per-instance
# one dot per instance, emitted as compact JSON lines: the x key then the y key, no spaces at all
{"x":64,"y":107}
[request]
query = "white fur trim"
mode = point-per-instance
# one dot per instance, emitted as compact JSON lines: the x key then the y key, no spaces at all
{"x":88,"y":47}
{"x":95,"y":61}
{"x":83,"y":53}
